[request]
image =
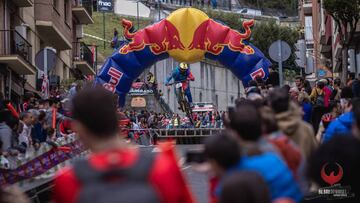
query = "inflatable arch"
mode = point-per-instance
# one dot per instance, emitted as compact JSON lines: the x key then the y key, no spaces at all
{"x":188,"y":35}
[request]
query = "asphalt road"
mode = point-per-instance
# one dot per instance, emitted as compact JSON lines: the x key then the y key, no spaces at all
{"x":197,"y":181}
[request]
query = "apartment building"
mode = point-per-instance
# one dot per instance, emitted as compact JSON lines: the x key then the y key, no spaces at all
{"x":323,"y":41}
{"x":28,"y":26}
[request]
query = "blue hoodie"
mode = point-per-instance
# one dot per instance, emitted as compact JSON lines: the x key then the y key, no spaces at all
{"x":340,"y":126}
{"x":276,"y":174}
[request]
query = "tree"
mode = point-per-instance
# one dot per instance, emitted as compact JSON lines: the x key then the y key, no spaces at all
{"x":265,"y":33}
{"x":346,"y":15}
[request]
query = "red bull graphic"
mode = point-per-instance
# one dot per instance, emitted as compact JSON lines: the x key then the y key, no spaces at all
{"x":213,"y":37}
{"x":187,"y":35}
{"x":160,"y":37}
{"x":260,"y":73}
{"x":115,"y":77}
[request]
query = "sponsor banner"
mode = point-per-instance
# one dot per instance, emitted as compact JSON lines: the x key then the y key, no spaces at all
{"x":40,"y":164}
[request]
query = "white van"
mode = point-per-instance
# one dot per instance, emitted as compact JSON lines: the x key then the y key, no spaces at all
{"x":251,"y":12}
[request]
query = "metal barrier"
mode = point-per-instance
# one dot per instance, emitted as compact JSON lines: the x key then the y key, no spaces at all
{"x":185,"y":135}
{"x":181,"y":135}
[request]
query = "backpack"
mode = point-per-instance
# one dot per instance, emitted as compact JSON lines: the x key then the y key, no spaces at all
{"x":120,"y":185}
{"x":288,"y":151}
{"x":320,"y":99}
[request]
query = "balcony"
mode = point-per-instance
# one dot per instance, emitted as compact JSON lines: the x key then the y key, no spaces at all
{"x":82,"y":10}
{"x":23,"y":3}
{"x":16,"y":52}
{"x":84,"y":59}
{"x":52,"y":26}
{"x":307,"y":6}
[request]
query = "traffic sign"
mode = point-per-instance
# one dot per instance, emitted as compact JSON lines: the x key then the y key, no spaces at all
{"x":45,"y":56}
{"x":276,"y":54}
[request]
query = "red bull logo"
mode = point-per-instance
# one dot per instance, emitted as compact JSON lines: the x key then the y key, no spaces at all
{"x":260,"y":73}
{"x":160,"y":37}
{"x":213,"y":37}
{"x":115,"y":76}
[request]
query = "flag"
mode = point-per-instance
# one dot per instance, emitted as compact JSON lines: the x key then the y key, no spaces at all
{"x":45,"y":87}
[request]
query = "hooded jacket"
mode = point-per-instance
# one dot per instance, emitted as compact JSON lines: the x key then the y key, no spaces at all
{"x":340,"y":126}
{"x":290,"y":123}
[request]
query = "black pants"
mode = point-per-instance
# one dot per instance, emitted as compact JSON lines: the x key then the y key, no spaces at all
{"x":317,"y":113}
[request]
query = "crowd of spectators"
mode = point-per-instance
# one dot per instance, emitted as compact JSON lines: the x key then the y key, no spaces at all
{"x":149,"y":119}
{"x":36,"y":122}
{"x":278,"y":144}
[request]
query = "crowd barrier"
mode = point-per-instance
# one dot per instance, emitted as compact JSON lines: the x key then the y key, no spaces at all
{"x":40,"y":163}
{"x":180,"y":135}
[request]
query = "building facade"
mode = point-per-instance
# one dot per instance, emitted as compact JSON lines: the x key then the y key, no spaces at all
{"x":28,"y":26}
{"x":323,"y":41}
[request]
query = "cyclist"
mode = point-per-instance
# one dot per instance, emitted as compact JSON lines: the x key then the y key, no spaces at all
{"x":182,"y":73}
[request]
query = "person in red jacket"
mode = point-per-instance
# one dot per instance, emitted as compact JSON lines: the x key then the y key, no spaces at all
{"x":96,"y":124}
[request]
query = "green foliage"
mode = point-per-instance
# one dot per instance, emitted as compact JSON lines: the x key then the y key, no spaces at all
{"x":346,"y":14}
{"x":265,"y":33}
{"x":232,"y":20}
{"x":111,"y":21}
{"x":345,"y":11}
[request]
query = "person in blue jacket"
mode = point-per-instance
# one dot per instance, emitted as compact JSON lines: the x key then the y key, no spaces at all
{"x":182,"y":74}
{"x":256,"y":157}
{"x":343,"y":124}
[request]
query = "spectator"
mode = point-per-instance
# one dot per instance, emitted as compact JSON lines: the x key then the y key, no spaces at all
{"x":350,"y":80}
{"x":73,"y":90}
{"x":5,"y":131}
{"x":335,"y":111}
{"x":96,"y":124}
{"x":151,"y":81}
{"x":336,"y":93}
{"x":304,"y":102}
{"x":245,"y":187}
{"x":289,"y":119}
{"x":176,"y":121}
{"x":38,"y":133}
{"x":343,"y":124}
{"x":320,"y":96}
{"x":26,"y":119}
{"x":115,"y":39}
{"x":356,"y":87}
{"x":301,"y":84}
{"x":248,"y":130}
{"x":286,"y":148}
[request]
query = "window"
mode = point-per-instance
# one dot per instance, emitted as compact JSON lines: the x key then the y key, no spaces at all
{"x":217,"y":100}
{"x":200,"y":97}
{"x":308,"y":28}
{"x":232,"y":99}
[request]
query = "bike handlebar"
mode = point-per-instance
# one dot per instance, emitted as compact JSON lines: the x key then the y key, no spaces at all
{"x":175,"y":82}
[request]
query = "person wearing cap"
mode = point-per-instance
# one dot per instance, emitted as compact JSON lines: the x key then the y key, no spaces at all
{"x":182,"y":74}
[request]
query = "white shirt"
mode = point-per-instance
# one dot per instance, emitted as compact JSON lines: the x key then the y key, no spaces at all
{"x":25,"y":135}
